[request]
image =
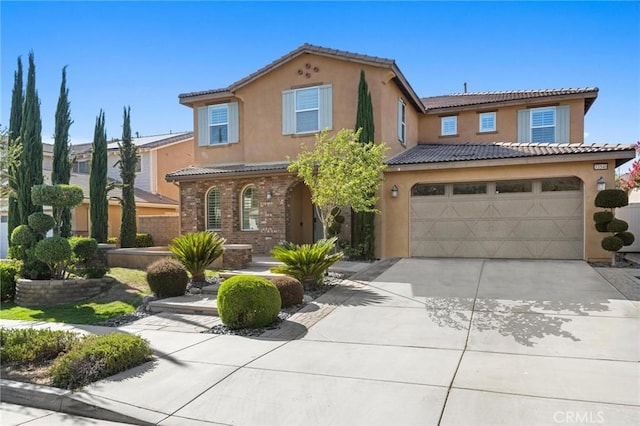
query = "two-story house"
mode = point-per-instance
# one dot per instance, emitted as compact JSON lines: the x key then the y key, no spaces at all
{"x":499,"y":174}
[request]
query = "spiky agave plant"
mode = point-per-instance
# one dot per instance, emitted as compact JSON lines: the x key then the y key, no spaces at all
{"x":196,"y":251}
{"x":307,"y":262}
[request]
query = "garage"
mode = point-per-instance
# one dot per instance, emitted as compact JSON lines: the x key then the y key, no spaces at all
{"x":524,"y":219}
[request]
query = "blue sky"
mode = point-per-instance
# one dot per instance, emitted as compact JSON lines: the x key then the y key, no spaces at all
{"x":144,"y":54}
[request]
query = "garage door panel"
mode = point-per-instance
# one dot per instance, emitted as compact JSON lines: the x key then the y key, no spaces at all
{"x":525,"y":225}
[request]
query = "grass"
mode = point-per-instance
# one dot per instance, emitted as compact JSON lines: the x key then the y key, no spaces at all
{"x":76,"y":313}
{"x":131,"y":277}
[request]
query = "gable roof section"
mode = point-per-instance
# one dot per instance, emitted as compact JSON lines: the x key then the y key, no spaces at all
{"x":144,"y":142}
{"x":460,"y":152}
{"x":401,"y":81}
{"x":460,"y":100}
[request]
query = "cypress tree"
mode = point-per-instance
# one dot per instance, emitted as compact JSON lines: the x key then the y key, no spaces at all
{"x":363,"y":230}
{"x":30,"y":169}
{"x":61,"y":171}
{"x":127,"y":163}
{"x":15,"y":123}
{"x":98,"y":182}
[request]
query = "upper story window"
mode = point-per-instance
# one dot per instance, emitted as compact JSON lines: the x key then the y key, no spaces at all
{"x":402,"y":121}
{"x":218,"y":124}
{"x":138,"y":164}
{"x":449,"y":126}
{"x":487,"y":122}
{"x":82,"y":166}
{"x":307,"y":110}
{"x":544,"y":125}
{"x":249,"y":208}
{"x":214,"y":212}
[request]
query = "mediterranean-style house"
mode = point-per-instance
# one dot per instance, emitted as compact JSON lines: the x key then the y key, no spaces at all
{"x":494,"y":174}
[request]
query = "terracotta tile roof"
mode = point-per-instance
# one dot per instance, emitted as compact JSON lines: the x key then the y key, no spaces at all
{"x":452,"y":152}
{"x":322,"y":51}
{"x":479,"y":98}
{"x":203,"y":171}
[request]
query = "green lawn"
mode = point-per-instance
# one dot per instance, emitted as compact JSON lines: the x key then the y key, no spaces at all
{"x":77,"y":313}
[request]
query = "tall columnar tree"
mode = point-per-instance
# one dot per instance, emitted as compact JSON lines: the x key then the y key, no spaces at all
{"x":127,"y":163}
{"x":363,"y":231}
{"x":61,"y":172}
{"x":30,"y":169}
{"x":98,"y":182}
{"x":15,"y":123}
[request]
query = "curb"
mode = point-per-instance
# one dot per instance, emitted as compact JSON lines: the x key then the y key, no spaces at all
{"x":68,"y":402}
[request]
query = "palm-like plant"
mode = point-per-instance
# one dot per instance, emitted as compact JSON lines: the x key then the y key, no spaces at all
{"x":307,"y":262}
{"x":196,"y":251}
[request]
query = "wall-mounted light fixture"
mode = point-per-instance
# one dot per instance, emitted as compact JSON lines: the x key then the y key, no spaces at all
{"x":394,"y":191}
{"x":269,"y":194}
{"x":601,"y":184}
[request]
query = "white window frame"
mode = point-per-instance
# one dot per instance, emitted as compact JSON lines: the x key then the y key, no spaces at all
{"x":444,"y":124}
{"x":218,"y":207}
{"x":242,"y":210}
{"x":76,"y":167}
{"x":316,"y":109}
{"x":402,"y":121}
{"x":210,"y":124}
{"x":532,"y":127}
{"x":483,"y":115}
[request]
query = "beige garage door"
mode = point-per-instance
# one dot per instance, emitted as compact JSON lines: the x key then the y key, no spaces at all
{"x":524,"y":219}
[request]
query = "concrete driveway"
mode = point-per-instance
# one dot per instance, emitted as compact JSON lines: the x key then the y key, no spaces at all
{"x":429,"y":341}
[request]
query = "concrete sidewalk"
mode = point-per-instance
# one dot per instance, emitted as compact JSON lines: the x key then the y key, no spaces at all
{"x":429,"y":341}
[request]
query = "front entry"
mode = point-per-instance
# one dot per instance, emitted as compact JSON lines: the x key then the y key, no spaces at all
{"x":302,"y":216}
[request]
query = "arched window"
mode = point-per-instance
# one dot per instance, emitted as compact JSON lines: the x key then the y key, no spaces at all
{"x":249,"y":208}
{"x":214,"y":214}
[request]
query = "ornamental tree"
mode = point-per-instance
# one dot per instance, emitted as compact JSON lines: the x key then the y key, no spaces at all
{"x":59,"y":197}
{"x":98,"y":184}
{"x":610,"y":199}
{"x":14,"y":149}
{"x":61,"y":170}
{"x":127,"y":164}
{"x":632,"y":180}
{"x":340,"y":171}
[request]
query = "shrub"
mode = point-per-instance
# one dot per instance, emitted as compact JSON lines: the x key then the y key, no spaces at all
{"x":602,"y":227}
{"x":306,"y":263}
{"x":612,"y":243}
{"x":627,"y":237}
{"x":60,"y":195}
{"x":55,"y":252}
{"x":84,"y":248}
{"x":95,"y":271}
{"x":291,"y":291}
{"x":28,"y":345}
{"x":98,"y":357}
{"x":167,"y":278}
{"x":617,"y":225}
{"x":112,"y":240}
{"x":143,"y":240}
{"x":22,"y":235}
{"x":8,"y":273}
{"x":247,"y":301}
{"x":602,"y":217}
{"x":196,"y":251}
{"x":611,"y":198}
{"x":41,"y":223}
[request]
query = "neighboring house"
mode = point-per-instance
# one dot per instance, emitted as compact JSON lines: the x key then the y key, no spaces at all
{"x":497,"y":174}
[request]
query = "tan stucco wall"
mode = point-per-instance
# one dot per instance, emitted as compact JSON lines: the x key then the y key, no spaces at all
{"x":169,"y":159}
{"x":260,"y":110}
{"x":393,"y":225}
{"x":506,"y":124}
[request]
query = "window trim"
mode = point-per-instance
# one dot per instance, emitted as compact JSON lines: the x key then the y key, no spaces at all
{"x":532,"y":127}
{"x":448,"y":118}
{"x":206,"y":211}
{"x":402,"y":121}
{"x":485,"y":114}
{"x":210,"y":125}
{"x":242,"y":209}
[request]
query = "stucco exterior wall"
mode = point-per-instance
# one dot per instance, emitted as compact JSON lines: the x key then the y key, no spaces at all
{"x":394,"y":223}
{"x":506,"y":123}
{"x":169,"y":159}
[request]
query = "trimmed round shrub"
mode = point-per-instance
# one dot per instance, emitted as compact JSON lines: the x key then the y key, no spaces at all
{"x":41,"y":223}
{"x":144,"y":240}
{"x":98,"y":357}
{"x":291,"y":291}
{"x":167,"y":278}
{"x":22,"y":235}
{"x":8,"y":273}
{"x":627,"y":237}
{"x":612,"y":243}
{"x":603,"y":217}
{"x":53,"y":250}
{"x":95,"y":271}
{"x":84,"y":248}
{"x":611,"y":198}
{"x":617,"y":225}
{"x":60,"y":195}
{"x":247,"y":301}
{"x":602,"y":227}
